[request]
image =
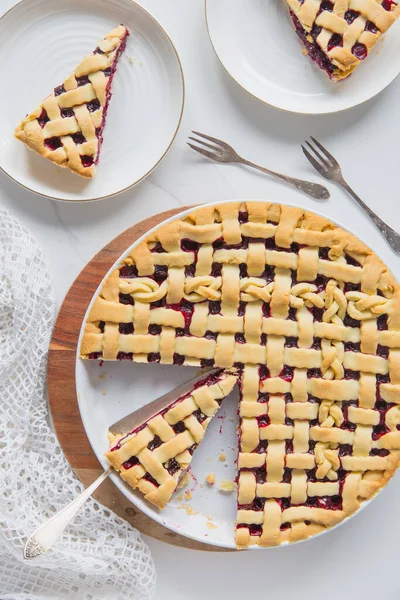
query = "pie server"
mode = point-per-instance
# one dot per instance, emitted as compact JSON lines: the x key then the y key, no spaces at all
{"x":46,"y":534}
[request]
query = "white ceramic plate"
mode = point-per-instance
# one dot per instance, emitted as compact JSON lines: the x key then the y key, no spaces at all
{"x":256,"y":43}
{"x":41,"y":42}
{"x":109,"y":392}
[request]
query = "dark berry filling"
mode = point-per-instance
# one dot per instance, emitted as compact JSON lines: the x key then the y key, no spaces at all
{"x":67,"y":113}
{"x":53,"y":143}
{"x":126,"y":299}
{"x":43,"y":118}
{"x":93,"y":105}
{"x":125,"y":356}
{"x":131,"y":462}
{"x":126,"y":328}
{"x":87,"y":161}
{"x":59,"y":90}
{"x":155,"y":443}
{"x":360,"y":51}
{"x":84,"y":80}
{"x":78,"y":138}
{"x":128,"y":271}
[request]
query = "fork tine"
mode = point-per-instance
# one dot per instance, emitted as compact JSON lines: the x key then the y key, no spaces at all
{"x":216,"y":148}
{"x":204,"y":152}
{"x":320,"y":156}
{"x":325,"y":151}
{"x":315,"y":163}
{"x":211,"y":139}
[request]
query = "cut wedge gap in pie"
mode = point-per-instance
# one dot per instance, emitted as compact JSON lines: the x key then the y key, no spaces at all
{"x":67,"y":128}
{"x":310,"y":318}
{"x":337,"y":35}
{"x":154,"y":457}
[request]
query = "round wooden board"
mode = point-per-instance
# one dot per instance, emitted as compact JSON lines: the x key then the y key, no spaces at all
{"x":62,"y":392}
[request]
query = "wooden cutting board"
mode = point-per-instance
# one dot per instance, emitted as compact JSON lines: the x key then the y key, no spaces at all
{"x":62,"y":394}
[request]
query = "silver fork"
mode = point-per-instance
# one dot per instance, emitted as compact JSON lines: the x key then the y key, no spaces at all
{"x":328,"y":167}
{"x":224,"y":153}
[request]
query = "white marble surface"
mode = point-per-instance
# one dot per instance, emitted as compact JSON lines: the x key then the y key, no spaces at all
{"x":360,"y":559}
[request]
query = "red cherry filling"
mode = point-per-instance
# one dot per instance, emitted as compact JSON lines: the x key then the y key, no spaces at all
{"x":67,"y":113}
{"x":155,"y":443}
{"x":336,"y":40}
{"x":389,"y":4}
{"x":131,"y":462}
{"x":151,"y":479}
{"x":53,"y":143}
{"x":126,"y":299}
{"x":179,"y":427}
{"x":172,"y":466}
{"x":369,"y":26}
{"x":78,"y":138}
{"x":125,"y":356}
{"x":59,"y":90}
{"x":43,"y":118}
{"x":128,"y":271}
{"x":126,"y":328}
{"x":82,"y":80}
{"x":93,"y":105}
{"x":360,"y":51}
{"x":87,"y":161}
{"x":351,"y":15}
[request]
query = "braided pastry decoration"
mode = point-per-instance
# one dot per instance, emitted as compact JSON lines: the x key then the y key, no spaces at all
{"x":305,"y":318}
{"x":67,"y":128}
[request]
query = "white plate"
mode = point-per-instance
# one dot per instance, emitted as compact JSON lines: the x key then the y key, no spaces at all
{"x":41,"y":42}
{"x":109,"y":392}
{"x":256,"y":43}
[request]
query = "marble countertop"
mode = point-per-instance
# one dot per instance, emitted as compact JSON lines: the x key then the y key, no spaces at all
{"x":360,"y":559}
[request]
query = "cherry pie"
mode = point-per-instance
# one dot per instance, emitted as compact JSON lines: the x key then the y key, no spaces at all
{"x":339,"y":34}
{"x":310,"y":319}
{"x":67,"y":128}
{"x":154,"y":457}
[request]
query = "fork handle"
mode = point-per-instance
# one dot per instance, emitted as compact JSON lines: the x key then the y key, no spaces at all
{"x":390,"y":235}
{"x":48,"y":533}
{"x":315,"y":190}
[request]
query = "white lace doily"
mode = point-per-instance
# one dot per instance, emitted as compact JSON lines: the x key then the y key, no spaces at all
{"x":99,"y":557}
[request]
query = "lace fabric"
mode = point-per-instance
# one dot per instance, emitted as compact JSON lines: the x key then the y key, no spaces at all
{"x":99,"y":556}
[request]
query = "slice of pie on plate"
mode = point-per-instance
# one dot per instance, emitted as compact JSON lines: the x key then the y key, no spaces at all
{"x":310,"y":318}
{"x":67,"y":128}
{"x":154,"y":457}
{"x":339,"y":34}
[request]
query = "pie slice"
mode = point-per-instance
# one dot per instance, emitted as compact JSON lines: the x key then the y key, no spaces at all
{"x":154,"y":457}
{"x":67,"y":128}
{"x":338,"y":34}
{"x":310,"y":318}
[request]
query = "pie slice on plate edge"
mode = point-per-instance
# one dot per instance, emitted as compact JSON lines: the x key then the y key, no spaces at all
{"x":308,"y":316}
{"x":338,"y":35}
{"x":67,"y":127}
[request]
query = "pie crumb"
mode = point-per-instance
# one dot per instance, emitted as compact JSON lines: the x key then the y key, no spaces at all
{"x":222,"y":457}
{"x":180,"y":498}
{"x":188,"y":495}
{"x":131,"y":59}
{"x":184,"y":480}
{"x":227,"y":486}
{"x":210,"y":478}
{"x":189,"y":509}
{"x":211,"y":525}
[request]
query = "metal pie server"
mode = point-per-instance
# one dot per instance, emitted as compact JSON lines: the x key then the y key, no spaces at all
{"x":48,"y":533}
